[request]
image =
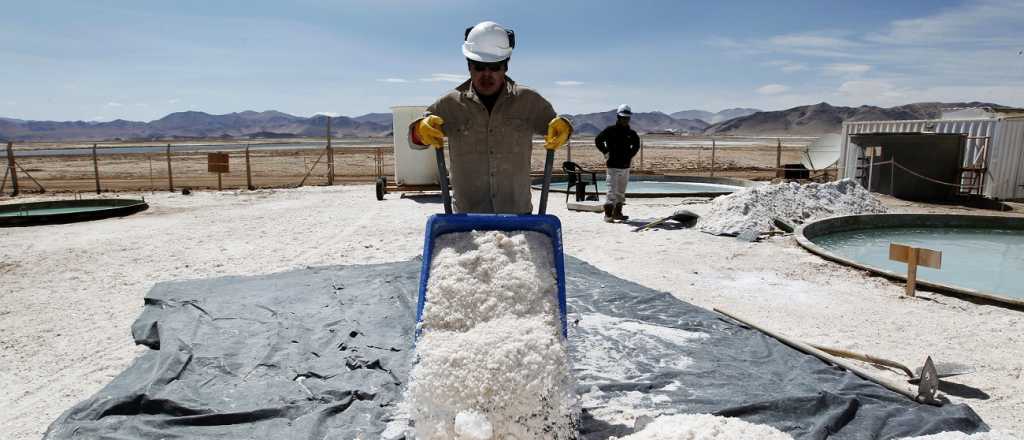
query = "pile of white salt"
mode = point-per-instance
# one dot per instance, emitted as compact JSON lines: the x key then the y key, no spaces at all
{"x":491,"y":359}
{"x":752,"y":209}
{"x":705,"y":427}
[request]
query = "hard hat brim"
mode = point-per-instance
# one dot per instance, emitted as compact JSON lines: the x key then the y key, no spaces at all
{"x":484,"y":57}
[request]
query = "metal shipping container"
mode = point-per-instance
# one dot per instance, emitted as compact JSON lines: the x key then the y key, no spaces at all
{"x":1002,"y":138}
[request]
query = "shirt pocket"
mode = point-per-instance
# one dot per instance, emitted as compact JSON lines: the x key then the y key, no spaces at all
{"x":517,"y":133}
{"x":467,"y":138}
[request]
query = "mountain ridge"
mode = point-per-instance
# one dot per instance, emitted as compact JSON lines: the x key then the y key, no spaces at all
{"x":814,"y":119}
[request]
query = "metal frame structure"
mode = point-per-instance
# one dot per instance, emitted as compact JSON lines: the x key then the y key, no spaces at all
{"x":993,"y":158}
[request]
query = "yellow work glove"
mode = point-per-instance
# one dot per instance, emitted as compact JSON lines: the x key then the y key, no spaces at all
{"x":429,"y":132}
{"x":559,"y":130}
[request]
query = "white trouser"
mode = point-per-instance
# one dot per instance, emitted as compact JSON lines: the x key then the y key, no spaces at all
{"x":617,"y":179}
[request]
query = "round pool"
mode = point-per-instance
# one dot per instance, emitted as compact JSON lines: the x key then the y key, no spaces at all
{"x":982,"y":256}
{"x":662,"y":186}
{"x":67,"y":211}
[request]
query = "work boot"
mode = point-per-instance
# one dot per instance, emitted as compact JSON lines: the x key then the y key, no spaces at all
{"x":617,"y":213}
{"x":608,"y":207}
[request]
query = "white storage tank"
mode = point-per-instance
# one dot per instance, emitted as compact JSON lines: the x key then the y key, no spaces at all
{"x":412,"y":167}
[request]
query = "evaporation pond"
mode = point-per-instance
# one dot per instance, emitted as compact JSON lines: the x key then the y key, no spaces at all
{"x":658,"y":187}
{"x":986,"y":260}
{"x":51,"y":211}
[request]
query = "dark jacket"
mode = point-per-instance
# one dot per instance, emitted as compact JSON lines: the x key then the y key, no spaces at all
{"x":620,"y":144}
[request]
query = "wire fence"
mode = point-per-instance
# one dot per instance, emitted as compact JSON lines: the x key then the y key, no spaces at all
{"x":172,"y":167}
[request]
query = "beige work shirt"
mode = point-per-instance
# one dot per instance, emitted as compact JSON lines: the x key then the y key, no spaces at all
{"x":490,"y":152}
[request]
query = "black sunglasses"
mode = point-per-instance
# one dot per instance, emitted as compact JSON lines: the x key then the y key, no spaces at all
{"x":509,"y":32}
{"x":477,"y":66}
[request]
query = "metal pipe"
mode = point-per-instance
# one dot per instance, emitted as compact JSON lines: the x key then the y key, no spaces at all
{"x":442,"y":177}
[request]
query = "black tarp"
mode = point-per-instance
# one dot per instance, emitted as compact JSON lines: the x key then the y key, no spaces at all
{"x":324,"y":353}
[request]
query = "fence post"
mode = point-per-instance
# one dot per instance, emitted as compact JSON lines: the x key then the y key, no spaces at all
{"x":170,"y":176}
{"x":778,"y":158}
{"x":13,"y":167}
{"x":641,"y":153}
{"x":330,"y":155}
{"x":96,"y":168}
{"x":248,"y":170}
{"x":713,"y":148}
{"x":151,"y":185}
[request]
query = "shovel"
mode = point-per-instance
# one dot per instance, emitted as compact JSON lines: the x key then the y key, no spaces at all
{"x":926,"y":377}
{"x":682,"y":216}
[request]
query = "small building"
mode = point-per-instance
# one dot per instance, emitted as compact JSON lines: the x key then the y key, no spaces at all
{"x":991,"y":160}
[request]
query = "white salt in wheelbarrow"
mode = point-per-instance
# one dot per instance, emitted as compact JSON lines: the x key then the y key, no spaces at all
{"x":440,"y":224}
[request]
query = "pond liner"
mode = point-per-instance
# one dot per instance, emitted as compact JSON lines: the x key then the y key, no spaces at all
{"x":325,"y":353}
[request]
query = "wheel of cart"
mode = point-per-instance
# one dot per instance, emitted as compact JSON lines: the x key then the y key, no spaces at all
{"x":382,"y":187}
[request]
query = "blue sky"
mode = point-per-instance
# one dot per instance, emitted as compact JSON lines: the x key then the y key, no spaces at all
{"x":139,"y":60}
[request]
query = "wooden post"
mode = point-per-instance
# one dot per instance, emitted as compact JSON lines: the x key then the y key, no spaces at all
{"x":170,"y":175}
{"x":778,"y":158}
{"x":641,"y":153}
{"x":568,"y":150}
{"x":11,"y":165}
{"x":219,"y":186}
{"x":914,"y":257}
{"x":96,"y":168}
{"x":911,"y":272}
{"x":151,"y":185}
{"x":713,"y":147}
{"x":248,"y":170}
{"x":330,"y":155}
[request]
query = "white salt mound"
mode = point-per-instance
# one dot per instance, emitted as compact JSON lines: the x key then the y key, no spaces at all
{"x":753,"y":208}
{"x":491,"y":358}
{"x":476,"y":276}
{"x":953,"y":435}
{"x":705,"y":427}
{"x":472,"y":425}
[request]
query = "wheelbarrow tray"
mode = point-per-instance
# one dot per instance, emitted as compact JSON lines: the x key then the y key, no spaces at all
{"x":440,"y":224}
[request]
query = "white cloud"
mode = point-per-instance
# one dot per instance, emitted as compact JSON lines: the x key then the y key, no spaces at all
{"x":811,"y":41}
{"x":569,"y":83}
{"x":392,"y":80}
{"x":788,"y":66}
{"x":173,"y":101}
{"x":114,"y":104}
{"x":986,"y":21}
{"x":772,"y":89}
{"x":840,"y":69}
{"x":446,"y":77}
{"x":329,"y":114}
{"x":877,"y":91}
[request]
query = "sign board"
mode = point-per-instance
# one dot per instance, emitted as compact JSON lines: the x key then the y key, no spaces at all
{"x":914,"y":257}
{"x":925,"y":257}
{"x":217,"y":162}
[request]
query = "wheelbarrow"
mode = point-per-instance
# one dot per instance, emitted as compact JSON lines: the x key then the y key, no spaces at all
{"x":440,"y":224}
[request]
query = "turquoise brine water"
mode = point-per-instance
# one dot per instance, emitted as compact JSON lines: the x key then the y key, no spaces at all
{"x":987,"y":260}
{"x":656,"y":187}
{"x":50,"y":211}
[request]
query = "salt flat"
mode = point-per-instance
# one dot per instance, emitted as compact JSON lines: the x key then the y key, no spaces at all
{"x":69,"y":293}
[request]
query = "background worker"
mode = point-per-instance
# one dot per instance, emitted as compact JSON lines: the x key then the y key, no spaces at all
{"x":619,"y":144}
{"x":490,"y":122}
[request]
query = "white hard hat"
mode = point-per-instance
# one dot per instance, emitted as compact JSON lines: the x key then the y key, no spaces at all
{"x":624,"y":111}
{"x":488,"y":42}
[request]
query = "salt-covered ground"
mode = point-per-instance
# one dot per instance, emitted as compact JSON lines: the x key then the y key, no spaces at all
{"x":69,"y":293}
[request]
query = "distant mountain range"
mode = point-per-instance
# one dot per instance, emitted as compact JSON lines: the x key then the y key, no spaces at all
{"x":804,"y":120}
{"x":714,"y":118}
{"x":824,"y":118}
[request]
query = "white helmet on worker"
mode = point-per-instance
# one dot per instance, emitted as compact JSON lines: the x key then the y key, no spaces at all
{"x":488,"y":42}
{"x":624,"y":111}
